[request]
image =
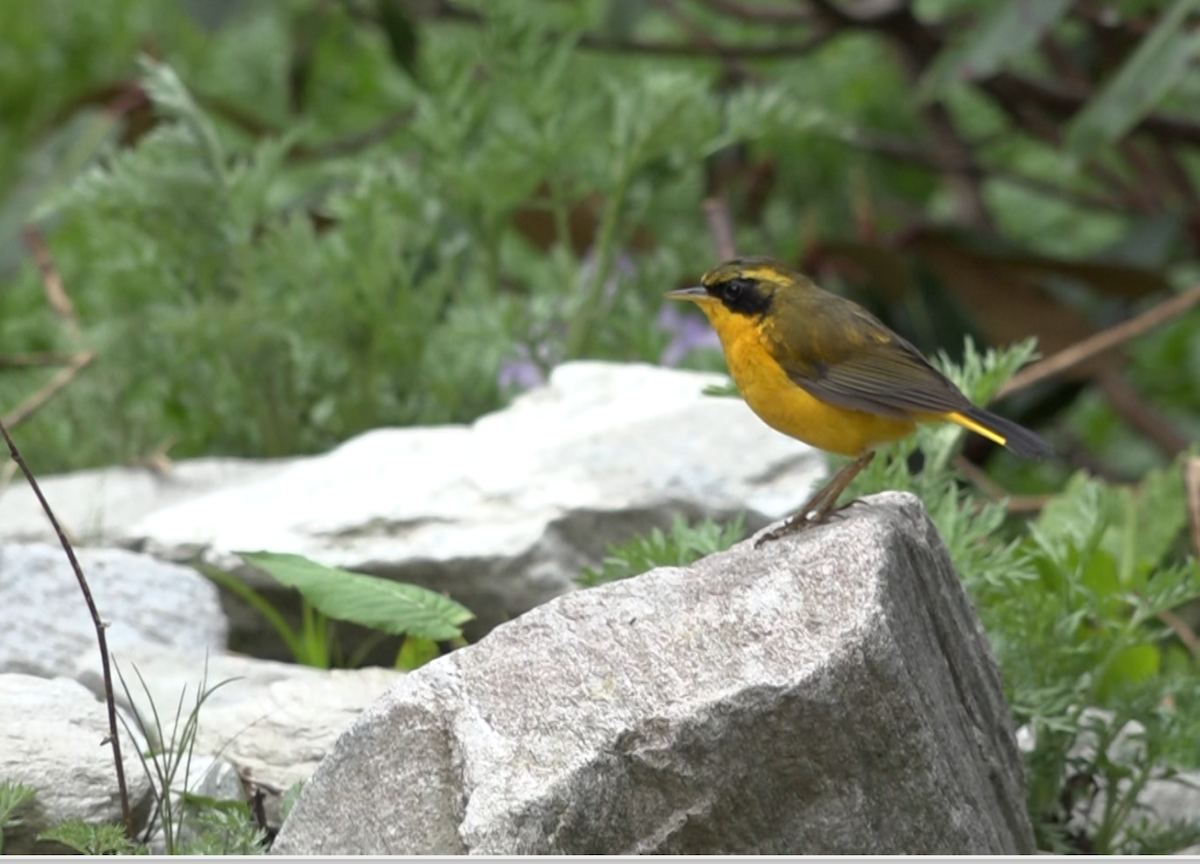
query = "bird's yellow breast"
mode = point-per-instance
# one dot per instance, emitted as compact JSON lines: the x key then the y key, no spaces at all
{"x":785,"y":406}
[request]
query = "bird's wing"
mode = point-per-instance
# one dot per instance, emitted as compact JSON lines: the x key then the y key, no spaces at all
{"x":873,"y":370}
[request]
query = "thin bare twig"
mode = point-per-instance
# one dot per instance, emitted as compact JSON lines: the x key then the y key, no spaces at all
{"x":1185,"y":633}
{"x":716,"y":214}
{"x":113,"y":737}
{"x":1191,"y":482}
{"x":27,"y":408}
{"x":52,"y":284}
{"x":44,"y":358}
{"x":1103,"y":341}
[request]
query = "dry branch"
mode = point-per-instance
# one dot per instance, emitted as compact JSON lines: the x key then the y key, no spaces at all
{"x":113,"y":737}
{"x":27,"y":408}
{"x":1191,"y":482}
{"x":52,"y":284}
{"x":28,"y":360}
{"x":1103,"y":341}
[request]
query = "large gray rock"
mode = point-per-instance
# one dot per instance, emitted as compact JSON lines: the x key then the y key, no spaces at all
{"x":829,"y":693}
{"x":45,"y":624}
{"x":52,"y":735}
{"x":502,"y":514}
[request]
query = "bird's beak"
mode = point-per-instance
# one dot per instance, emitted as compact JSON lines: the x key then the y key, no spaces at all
{"x":695,"y":294}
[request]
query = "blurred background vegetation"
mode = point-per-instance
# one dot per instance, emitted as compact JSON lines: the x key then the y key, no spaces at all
{"x":279,"y":224}
{"x":258,"y":229}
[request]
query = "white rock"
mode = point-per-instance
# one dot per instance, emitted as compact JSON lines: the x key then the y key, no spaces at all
{"x":502,"y":514}
{"x":45,"y":624}
{"x":97,"y":506}
{"x":830,"y":693}
{"x":52,"y":737}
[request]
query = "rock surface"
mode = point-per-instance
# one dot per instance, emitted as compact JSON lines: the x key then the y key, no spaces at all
{"x":502,"y":514}
{"x":45,"y":624}
{"x":52,"y":735}
{"x":829,"y":693}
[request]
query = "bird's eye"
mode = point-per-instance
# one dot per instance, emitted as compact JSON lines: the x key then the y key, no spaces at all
{"x":737,"y":288}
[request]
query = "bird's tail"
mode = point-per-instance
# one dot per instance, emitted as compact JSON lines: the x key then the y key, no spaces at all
{"x":1004,"y":432}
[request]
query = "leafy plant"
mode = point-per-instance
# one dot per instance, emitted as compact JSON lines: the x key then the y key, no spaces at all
{"x":87,"y":838}
{"x":167,"y":760}
{"x":14,"y":797}
{"x":330,"y":594}
{"x":221,"y":828}
{"x":290,"y":797}
{"x":682,"y":545}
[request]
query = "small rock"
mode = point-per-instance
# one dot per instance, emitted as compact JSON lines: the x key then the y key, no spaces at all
{"x":45,"y":623}
{"x":52,"y":737}
{"x":830,"y":693}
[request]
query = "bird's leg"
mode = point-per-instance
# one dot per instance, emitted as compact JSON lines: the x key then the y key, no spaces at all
{"x":821,"y":505}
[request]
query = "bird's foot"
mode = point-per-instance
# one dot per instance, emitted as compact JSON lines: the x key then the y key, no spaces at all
{"x":806,"y":518}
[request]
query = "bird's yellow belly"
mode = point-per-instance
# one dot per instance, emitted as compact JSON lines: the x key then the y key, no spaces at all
{"x":788,"y":408}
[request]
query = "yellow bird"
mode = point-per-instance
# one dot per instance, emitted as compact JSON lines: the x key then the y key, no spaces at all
{"x":822,"y":369}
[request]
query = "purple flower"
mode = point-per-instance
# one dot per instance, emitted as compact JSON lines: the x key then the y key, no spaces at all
{"x":689,"y":332}
{"x":520,"y":372}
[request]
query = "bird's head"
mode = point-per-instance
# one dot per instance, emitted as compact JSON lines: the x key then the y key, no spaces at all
{"x":743,"y":286}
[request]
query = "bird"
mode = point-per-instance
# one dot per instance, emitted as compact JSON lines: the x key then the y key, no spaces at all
{"x":822,"y":369}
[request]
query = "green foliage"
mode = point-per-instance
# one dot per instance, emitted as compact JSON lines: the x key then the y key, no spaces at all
{"x":1157,"y":65}
{"x":168,"y":765}
{"x":1007,"y":31}
{"x":681,"y":546}
{"x":90,"y":839}
{"x":14,"y":797}
{"x":251,"y":294}
{"x":313,"y":644}
{"x":381,"y":604}
{"x":290,"y":797}
{"x":329,"y":594}
{"x":220,"y":828}
{"x":415,"y":652}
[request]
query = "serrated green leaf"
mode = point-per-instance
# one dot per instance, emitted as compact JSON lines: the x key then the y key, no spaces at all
{"x":381,"y":604}
{"x":1155,"y":67}
{"x":1073,"y":521}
